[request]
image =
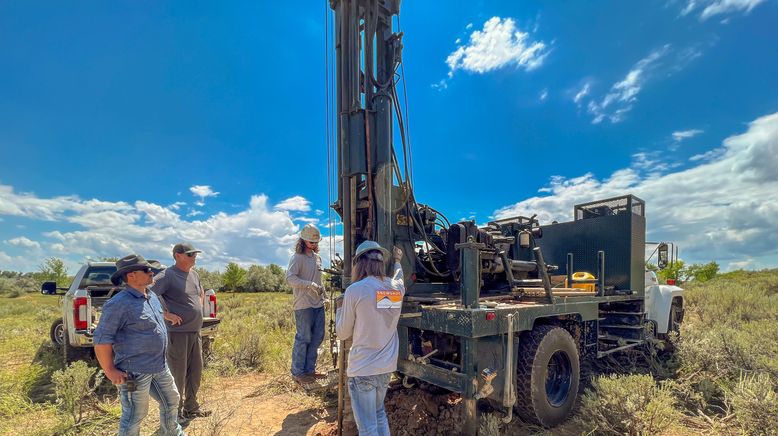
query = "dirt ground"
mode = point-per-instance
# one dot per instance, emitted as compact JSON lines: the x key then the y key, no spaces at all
{"x":260,"y":404}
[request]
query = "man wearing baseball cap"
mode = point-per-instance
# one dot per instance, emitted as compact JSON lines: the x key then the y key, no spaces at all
{"x":130,"y":344}
{"x":182,"y":294}
{"x":304,"y":276}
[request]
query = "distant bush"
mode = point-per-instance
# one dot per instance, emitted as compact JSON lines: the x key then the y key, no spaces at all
{"x":632,"y":405}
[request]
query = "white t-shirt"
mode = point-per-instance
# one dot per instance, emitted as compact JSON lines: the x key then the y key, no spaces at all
{"x":369,"y":315}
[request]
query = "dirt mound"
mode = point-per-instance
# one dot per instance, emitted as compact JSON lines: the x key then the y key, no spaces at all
{"x":418,"y":411}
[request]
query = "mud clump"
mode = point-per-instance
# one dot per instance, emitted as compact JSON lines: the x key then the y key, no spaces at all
{"x":418,"y":411}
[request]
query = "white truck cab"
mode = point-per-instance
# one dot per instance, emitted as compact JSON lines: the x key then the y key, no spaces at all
{"x":664,"y":305}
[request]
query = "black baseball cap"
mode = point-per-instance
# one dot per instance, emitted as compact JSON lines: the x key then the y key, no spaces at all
{"x":185,"y":248}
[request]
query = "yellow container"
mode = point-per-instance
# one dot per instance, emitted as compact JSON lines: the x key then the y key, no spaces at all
{"x":582,"y":276}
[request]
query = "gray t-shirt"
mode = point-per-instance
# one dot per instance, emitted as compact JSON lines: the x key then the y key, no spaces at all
{"x":369,"y":315}
{"x":180,"y":292}
{"x":302,"y":271}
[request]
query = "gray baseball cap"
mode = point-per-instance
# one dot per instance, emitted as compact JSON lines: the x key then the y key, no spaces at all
{"x":185,"y":248}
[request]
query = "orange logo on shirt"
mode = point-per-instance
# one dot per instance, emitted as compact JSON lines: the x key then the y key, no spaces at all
{"x":388,"y":299}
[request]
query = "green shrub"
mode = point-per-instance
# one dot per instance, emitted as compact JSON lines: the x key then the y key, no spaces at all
{"x":73,"y":385}
{"x":755,"y":404}
{"x":632,"y":405}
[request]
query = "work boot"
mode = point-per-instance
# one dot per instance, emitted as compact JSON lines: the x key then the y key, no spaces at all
{"x":316,"y":375}
{"x":302,"y":379}
{"x":199,"y":413}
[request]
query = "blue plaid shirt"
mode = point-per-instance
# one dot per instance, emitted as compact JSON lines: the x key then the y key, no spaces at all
{"x":134,"y":325}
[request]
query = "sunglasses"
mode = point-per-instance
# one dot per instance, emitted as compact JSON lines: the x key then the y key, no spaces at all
{"x":191,"y":254}
{"x":144,"y":270}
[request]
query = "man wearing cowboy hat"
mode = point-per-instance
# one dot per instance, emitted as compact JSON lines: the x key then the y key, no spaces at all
{"x":304,"y":276}
{"x":182,"y":295}
{"x":130,"y":343}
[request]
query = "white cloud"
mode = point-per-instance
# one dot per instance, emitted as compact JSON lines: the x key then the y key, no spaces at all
{"x":500,"y":44}
{"x":708,"y":155}
{"x":203,"y":191}
{"x":581,"y":94}
{"x":686,"y":134}
{"x":712,"y":8}
{"x":722,"y":209}
{"x":623,"y":94}
{"x":258,"y":234}
{"x":544,"y":94}
{"x":21,"y":241}
{"x":296,"y":203}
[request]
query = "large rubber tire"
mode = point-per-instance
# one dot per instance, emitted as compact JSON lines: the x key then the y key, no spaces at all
{"x":57,"y":333}
{"x":207,"y":350}
{"x":548,"y":374}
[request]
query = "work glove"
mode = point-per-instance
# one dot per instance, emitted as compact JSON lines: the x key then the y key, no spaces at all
{"x":398,"y":253}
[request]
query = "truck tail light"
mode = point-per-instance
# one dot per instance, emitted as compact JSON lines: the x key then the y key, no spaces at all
{"x":80,"y":319}
{"x":671,"y":282}
{"x":212,"y":305}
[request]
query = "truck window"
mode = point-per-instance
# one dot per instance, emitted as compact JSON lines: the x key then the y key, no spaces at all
{"x":97,"y":276}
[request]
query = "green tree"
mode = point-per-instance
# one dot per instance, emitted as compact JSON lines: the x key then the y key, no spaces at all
{"x":672,"y":271}
{"x":210,"y":279}
{"x":234,"y":276}
{"x":701,"y":272}
{"x":258,"y":279}
{"x":53,"y":270}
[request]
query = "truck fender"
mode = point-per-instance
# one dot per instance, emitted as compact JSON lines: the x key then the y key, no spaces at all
{"x":659,"y":298}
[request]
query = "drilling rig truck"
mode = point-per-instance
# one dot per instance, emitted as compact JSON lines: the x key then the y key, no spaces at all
{"x":500,"y":312}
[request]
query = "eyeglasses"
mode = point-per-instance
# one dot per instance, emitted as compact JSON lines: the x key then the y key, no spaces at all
{"x":144,"y":270}
{"x":312,"y":243}
{"x":191,"y":254}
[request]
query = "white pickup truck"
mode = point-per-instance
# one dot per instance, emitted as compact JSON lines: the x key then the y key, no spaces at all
{"x":82,"y":304}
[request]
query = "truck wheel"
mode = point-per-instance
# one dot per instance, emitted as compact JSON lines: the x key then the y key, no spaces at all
{"x":547,"y":375}
{"x":57,"y":333}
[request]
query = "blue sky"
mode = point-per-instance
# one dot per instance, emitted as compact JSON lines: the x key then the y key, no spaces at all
{"x":128,"y":126}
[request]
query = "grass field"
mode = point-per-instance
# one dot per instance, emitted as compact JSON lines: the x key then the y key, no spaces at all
{"x":722,"y":378}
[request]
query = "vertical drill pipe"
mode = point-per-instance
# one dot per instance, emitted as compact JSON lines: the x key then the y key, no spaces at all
{"x":469,"y":367}
{"x":601,"y":273}
{"x":341,"y":385}
{"x":543,"y":272}
{"x":569,"y":270}
{"x":508,"y":395}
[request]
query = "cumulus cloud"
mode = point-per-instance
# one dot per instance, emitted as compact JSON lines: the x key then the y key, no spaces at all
{"x":686,"y":134}
{"x":711,"y":8}
{"x":21,"y":241}
{"x":723,"y":209}
{"x":260,"y":233}
{"x":203,"y":191}
{"x":498,"y":45}
{"x":296,"y":203}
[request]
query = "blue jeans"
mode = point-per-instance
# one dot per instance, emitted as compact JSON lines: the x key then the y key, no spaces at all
{"x":310,"y":333}
{"x":135,"y":405}
{"x":367,"y":401}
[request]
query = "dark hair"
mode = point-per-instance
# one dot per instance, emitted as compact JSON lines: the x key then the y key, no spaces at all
{"x":367,"y":265}
{"x":299,"y":248}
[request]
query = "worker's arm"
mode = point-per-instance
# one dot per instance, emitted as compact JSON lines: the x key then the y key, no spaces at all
{"x":111,"y":320}
{"x":345,"y":317}
{"x":293,"y":277}
{"x":397,"y":275}
{"x":159,"y":287}
{"x":104,"y":353}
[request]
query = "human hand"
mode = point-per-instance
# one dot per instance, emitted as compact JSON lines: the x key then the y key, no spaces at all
{"x":172,"y":318}
{"x":398,"y":253}
{"x":116,"y":376}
